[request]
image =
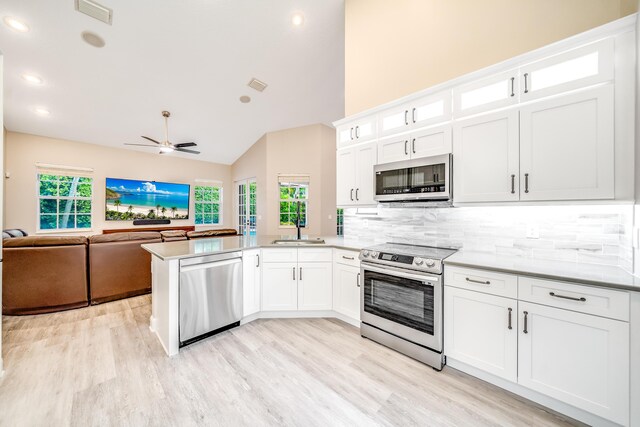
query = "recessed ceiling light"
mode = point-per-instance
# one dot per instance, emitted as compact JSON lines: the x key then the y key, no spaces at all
{"x":297,"y":19}
{"x":245,"y":99}
{"x":14,"y":24}
{"x":93,"y":39}
{"x":41,"y":111}
{"x":32,"y":78}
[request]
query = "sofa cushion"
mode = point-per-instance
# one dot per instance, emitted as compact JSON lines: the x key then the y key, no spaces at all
{"x":173,"y":233}
{"x":212,"y":233}
{"x":31,"y":241}
{"x":124,"y":237}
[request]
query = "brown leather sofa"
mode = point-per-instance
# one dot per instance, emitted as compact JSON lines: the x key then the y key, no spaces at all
{"x":118,"y":266}
{"x":222,"y":232}
{"x":173,"y":235}
{"x":44,"y":274}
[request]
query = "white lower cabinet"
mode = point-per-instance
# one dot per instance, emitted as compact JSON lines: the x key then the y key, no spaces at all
{"x":481,"y":330}
{"x":251,"y":282}
{"x":314,"y":286}
{"x":279,"y":286}
{"x":577,"y":358}
{"x":346,"y":290}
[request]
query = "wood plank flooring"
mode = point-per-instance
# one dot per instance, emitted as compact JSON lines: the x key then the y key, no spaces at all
{"x":102,"y":366}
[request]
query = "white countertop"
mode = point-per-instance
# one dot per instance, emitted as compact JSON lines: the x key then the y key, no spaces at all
{"x":198,"y":247}
{"x":590,"y":274}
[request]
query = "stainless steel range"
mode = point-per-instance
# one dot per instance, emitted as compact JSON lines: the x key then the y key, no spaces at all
{"x":401,"y":304}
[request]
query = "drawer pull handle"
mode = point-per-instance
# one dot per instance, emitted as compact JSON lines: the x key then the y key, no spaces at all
{"x":348,"y":257}
{"x":358,"y":280}
{"x":526,"y":316}
{"x":553,"y":294}
{"x":510,"y":310}
{"x":478,"y":281}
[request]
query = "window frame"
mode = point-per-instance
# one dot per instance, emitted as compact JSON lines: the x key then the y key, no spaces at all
{"x":307,"y":184}
{"x":57,"y":198}
{"x":220,"y":189}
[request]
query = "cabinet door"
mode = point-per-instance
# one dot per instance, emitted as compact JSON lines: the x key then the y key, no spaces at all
{"x":345,"y":135}
{"x":567,"y":147}
{"x":577,"y":358}
{"x":279,"y":286}
{"x":493,"y":92}
{"x":431,"y":142}
{"x":485,"y":156}
{"x":250,"y":282}
{"x":567,"y":71}
{"x":481,"y":330}
{"x":346,"y":290}
{"x":365,"y":160}
{"x":394,"y":120}
{"x":365,"y":129}
{"x":393,"y":149}
{"x":430,"y":110}
{"x":345,"y":177}
{"x":314,"y":286}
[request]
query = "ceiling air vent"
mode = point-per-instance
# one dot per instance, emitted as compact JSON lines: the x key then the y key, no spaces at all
{"x":95,"y":10}
{"x":257,"y":85}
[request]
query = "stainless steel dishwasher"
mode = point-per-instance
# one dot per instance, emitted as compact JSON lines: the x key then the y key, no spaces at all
{"x":210,"y":295}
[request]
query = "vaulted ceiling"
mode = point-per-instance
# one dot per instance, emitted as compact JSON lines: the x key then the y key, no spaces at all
{"x":191,"y":57}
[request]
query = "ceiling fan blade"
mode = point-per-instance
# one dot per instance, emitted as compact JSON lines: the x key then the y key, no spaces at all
{"x":152,"y":140}
{"x":141,"y":145}
{"x":184,"y":150}
{"x":185,"y":144}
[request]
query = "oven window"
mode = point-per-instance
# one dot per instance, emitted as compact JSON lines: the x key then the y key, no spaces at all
{"x":422,"y":179}
{"x":405,"y":301}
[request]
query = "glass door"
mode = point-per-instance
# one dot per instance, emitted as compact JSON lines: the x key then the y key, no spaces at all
{"x":247,"y":211}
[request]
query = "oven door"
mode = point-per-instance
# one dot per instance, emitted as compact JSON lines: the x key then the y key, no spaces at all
{"x":417,"y":179}
{"x":403,"y":303}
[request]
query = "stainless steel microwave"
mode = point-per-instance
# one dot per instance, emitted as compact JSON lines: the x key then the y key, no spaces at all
{"x":425,"y":179}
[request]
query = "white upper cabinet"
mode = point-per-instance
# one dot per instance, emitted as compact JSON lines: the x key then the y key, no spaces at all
{"x":567,"y":147}
{"x":486,"y":153}
{"x":393,"y":149}
{"x":499,"y":90}
{"x":345,"y":176}
{"x":431,"y":141}
{"x":569,"y":70}
{"x":357,"y":131}
{"x":425,"y":111}
{"x":354,"y":178}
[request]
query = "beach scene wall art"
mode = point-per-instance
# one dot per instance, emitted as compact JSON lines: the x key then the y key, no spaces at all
{"x":129,"y":199}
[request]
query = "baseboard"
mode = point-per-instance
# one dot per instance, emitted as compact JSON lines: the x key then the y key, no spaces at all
{"x":300,"y":315}
{"x":549,"y":402}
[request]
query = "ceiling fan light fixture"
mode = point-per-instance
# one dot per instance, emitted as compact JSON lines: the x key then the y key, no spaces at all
{"x":166,"y":149}
{"x":15,"y":24}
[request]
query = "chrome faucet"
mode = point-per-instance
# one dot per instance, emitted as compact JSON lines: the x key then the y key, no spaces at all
{"x":298,"y":221}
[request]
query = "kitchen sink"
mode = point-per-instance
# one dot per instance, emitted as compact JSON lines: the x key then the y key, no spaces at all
{"x":298,"y":242}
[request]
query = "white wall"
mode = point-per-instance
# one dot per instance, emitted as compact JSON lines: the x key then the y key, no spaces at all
{"x":23,"y":151}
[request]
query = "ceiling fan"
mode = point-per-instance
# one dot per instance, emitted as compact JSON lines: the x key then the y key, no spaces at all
{"x":166,"y":146}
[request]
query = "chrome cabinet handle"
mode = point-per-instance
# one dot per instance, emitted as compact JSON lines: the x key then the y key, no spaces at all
{"x":512,"y":86}
{"x":526,"y":88}
{"x":413,"y":146}
{"x":294,"y":273}
{"x":413,"y":115}
{"x":513,"y":184}
{"x":257,"y":260}
{"x":300,"y":273}
{"x":526,"y":182}
{"x":510,"y":310}
{"x":406,"y":152}
{"x":351,"y":133}
{"x":478,"y":281}
{"x":357,"y":189}
{"x":553,"y":294}
{"x":526,"y":316}
{"x":358,"y":280}
{"x":351,"y":195}
{"x":406,"y":120}
{"x":357,"y":132}
{"x":348,"y":257}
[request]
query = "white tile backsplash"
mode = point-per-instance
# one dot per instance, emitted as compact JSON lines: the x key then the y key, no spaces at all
{"x":598,"y":234}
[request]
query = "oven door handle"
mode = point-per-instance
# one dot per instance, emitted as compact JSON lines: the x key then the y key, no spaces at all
{"x":391,"y":271}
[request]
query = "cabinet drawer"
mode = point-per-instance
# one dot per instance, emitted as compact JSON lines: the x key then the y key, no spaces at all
{"x":341,"y":256}
{"x":505,"y":285}
{"x":315,"y":255}
{"x":581,"y":298}
{"x":280,"y":255}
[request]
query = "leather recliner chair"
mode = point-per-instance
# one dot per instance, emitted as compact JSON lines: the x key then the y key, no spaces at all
{"x":44,"y":274}
{"x":118,"y":266}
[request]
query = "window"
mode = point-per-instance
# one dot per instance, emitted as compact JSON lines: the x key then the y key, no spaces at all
{"x":340,"y":221}
{"x":208,"y":200}
{"x":293,"y":190}
{"x":64,"y":202}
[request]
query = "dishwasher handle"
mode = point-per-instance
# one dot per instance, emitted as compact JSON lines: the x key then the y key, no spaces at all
{"x":206,"y":265}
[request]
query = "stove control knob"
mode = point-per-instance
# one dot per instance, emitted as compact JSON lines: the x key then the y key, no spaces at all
{"x":418,"y":261}
{"x":430,"y":263}
{"x":365,"y":254}
{"x":374,"y":254}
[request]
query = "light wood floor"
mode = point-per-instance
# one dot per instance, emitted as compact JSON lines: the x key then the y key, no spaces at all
{"x":101,"y":366}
